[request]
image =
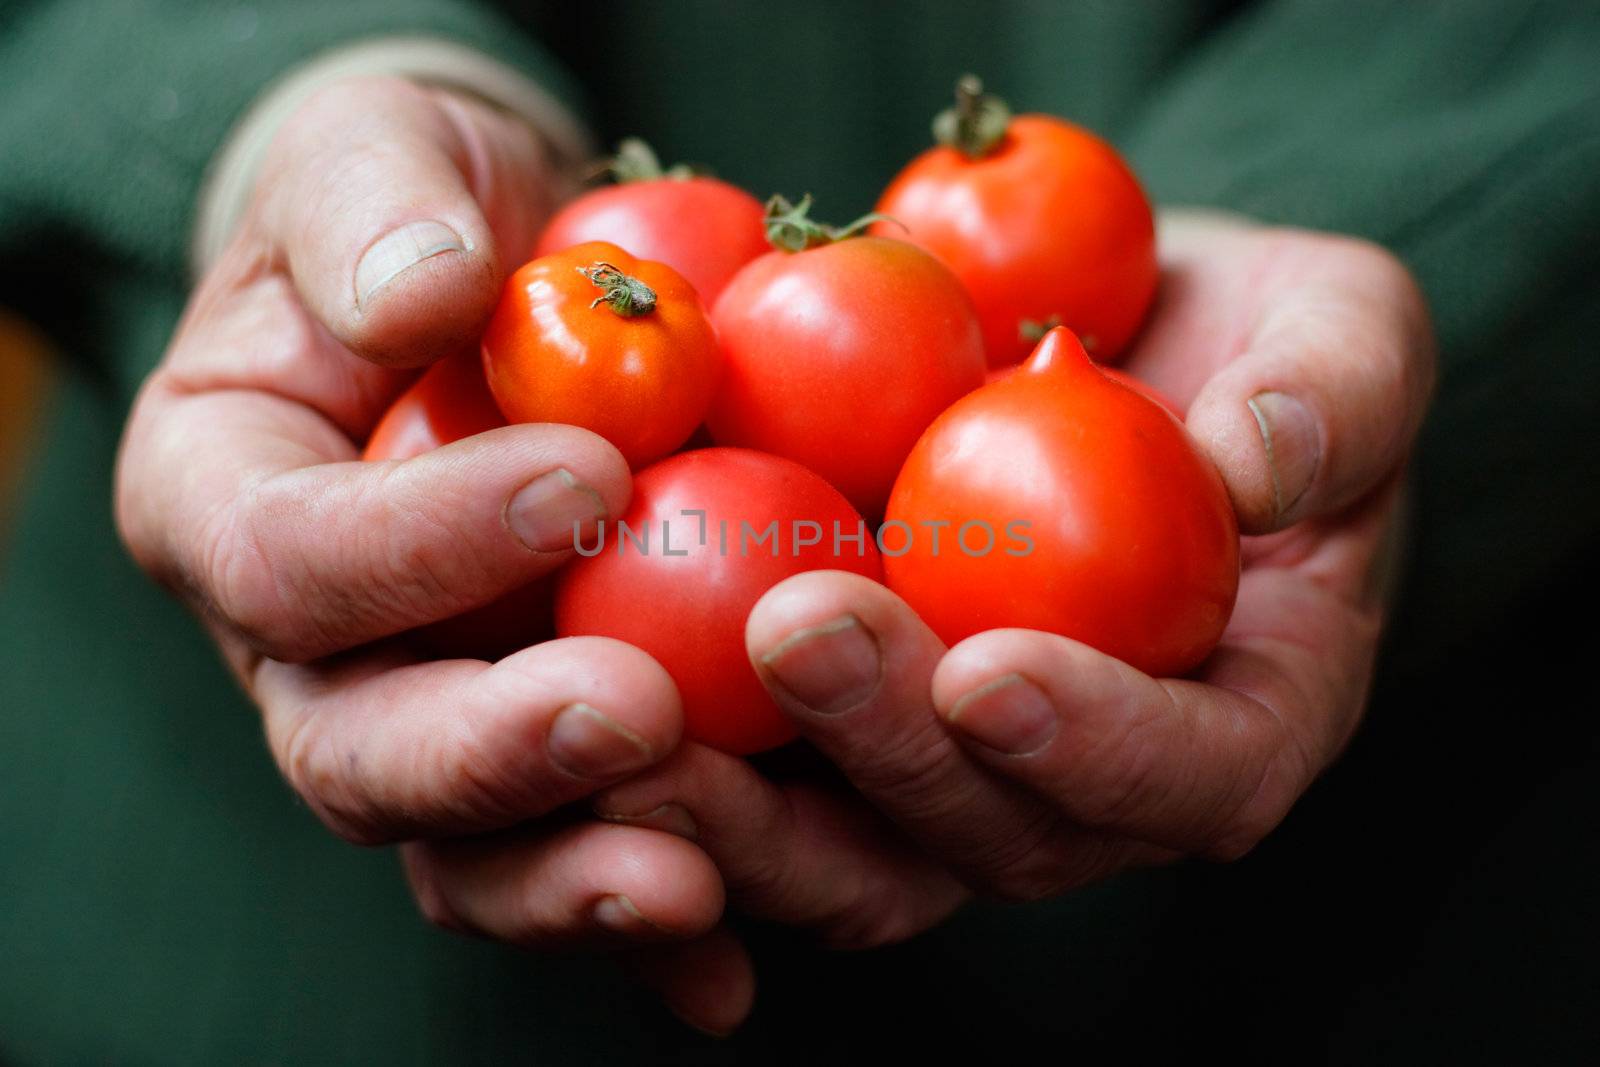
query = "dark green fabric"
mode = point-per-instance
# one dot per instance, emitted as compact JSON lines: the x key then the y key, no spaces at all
{"x":163,"y":898}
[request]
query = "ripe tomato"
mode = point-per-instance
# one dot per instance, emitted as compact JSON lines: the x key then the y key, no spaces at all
{"x":684,"y":597}
{"x":703,"y":228}
{"x":592,"y":337}
{"x":840,"y":353}
{"x":1134,"y":545}
{"x":1041,"y":220}
{"x":450,"y":401}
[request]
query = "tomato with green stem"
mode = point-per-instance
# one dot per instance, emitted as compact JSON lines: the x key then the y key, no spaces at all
{"x":591,"y":336}
{"x":700,"y":226}
{"x":1043,"y":222}
{"x":839,"y":350}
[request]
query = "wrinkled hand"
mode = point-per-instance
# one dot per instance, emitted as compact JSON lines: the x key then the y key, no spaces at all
{"x":377,"y":241}
{"x":1022,"y":764}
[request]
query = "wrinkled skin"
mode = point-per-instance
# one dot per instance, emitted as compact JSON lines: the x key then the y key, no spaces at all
{"x":236,"y":486}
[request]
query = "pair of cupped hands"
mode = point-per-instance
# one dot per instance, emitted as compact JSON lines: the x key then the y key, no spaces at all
{"x":1017,"y":764}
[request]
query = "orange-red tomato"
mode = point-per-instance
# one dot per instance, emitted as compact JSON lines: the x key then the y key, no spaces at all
{"x":720,"y":526}
{"x":592,"y":337}
{"x":703,"y":228}
{"x":450,"y":401}
{"x":1043,"y":223}
{"x":1072,"y":504}
{"x":839,"y":356}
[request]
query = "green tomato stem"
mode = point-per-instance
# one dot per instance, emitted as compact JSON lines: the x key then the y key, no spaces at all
{"x":978,"y":122}
{"x":625,"y":295}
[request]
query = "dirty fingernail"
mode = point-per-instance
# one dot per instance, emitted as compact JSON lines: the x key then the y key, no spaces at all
{"x":1294,"y":448}
{"x":555,"y":511}
{"x":1009,"y":714}
{"x":621,"y":915}
{"x":670,"y":817}
{"x":399,"y":250}
{"x":828,"y":668}
{"x":587,"y":744}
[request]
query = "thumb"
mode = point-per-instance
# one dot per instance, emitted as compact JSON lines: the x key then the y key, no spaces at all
{"x":392,"y":205}
{"x":1324,"y":403}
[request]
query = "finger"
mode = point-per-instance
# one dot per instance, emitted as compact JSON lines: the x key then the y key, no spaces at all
{"x":852,"y":664}
{"x":232,"y":497}
{"x":379,"y":194}
{"x":795,"y":854}
{"x":708,"y":982}
{"x":1210,"y":765}
{"x":383,"y":750}
{"x":586,"y":885}
{"x":1328,"y":394}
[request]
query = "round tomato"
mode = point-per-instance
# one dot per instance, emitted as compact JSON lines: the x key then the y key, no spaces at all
{"x":839,"y":353}
{"x":450,"y":401}
{"x":707,"y":533}
{"x":703,"y":228}
{"x":592,"y":337}
{"x":1071,"y":503}
{"x":1041,"y":220}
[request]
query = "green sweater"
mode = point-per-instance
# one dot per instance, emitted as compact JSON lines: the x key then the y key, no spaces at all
{"x":164,"y":899}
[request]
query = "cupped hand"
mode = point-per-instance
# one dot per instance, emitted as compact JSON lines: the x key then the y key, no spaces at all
{"x":380,"y":231}
{"x":1022,"y":764}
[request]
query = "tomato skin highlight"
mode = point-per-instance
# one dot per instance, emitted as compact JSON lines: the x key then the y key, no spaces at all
{"x":838,"y":357}
{"x":450,"y":401}
{"x":1052,"y":224}
{"x":641,"y":381}
{"x":689,"y":611}
{"x":703,"y":228}
{"x":1135,"y":547}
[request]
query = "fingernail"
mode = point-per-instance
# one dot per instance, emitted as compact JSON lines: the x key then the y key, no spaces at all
{"x":1294,"y":448}
{"x":670,"y":817}
{"x":620,"y":914}
{"x":401,"y":249}
{"x":587,"y":744}
{"x":829,"y":668}
{"x":555,"y":511}
{"x":1010,"y":715}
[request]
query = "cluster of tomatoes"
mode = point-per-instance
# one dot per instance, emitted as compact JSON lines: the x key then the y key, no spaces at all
{"x":859,"y":396}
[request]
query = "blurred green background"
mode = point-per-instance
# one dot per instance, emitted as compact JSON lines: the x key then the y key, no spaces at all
{"x":163,"y":899}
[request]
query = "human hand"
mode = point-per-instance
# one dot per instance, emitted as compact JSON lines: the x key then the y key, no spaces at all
{"x":238,"y":486}
{"x":1022,"y":764}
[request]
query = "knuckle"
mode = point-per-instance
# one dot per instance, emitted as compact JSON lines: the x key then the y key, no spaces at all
{"x":323,"y":779}
{"x":1032,"y":864}
{"x":1263,"y":808}
{"x":1119,"y":770}
{"x":237,"y":583}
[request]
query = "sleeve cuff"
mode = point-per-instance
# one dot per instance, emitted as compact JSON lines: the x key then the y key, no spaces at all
{"x":231,"y":175}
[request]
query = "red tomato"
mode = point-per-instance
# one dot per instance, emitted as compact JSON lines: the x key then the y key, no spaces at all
{"x":592,"y":337}
{"x":703,"y":228}
{"x":1105,"y":521}
{"x":1041,"y":220}
{"x":687,"y":606}
{"x":450,"y":401}
{"x":838,"y":356}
